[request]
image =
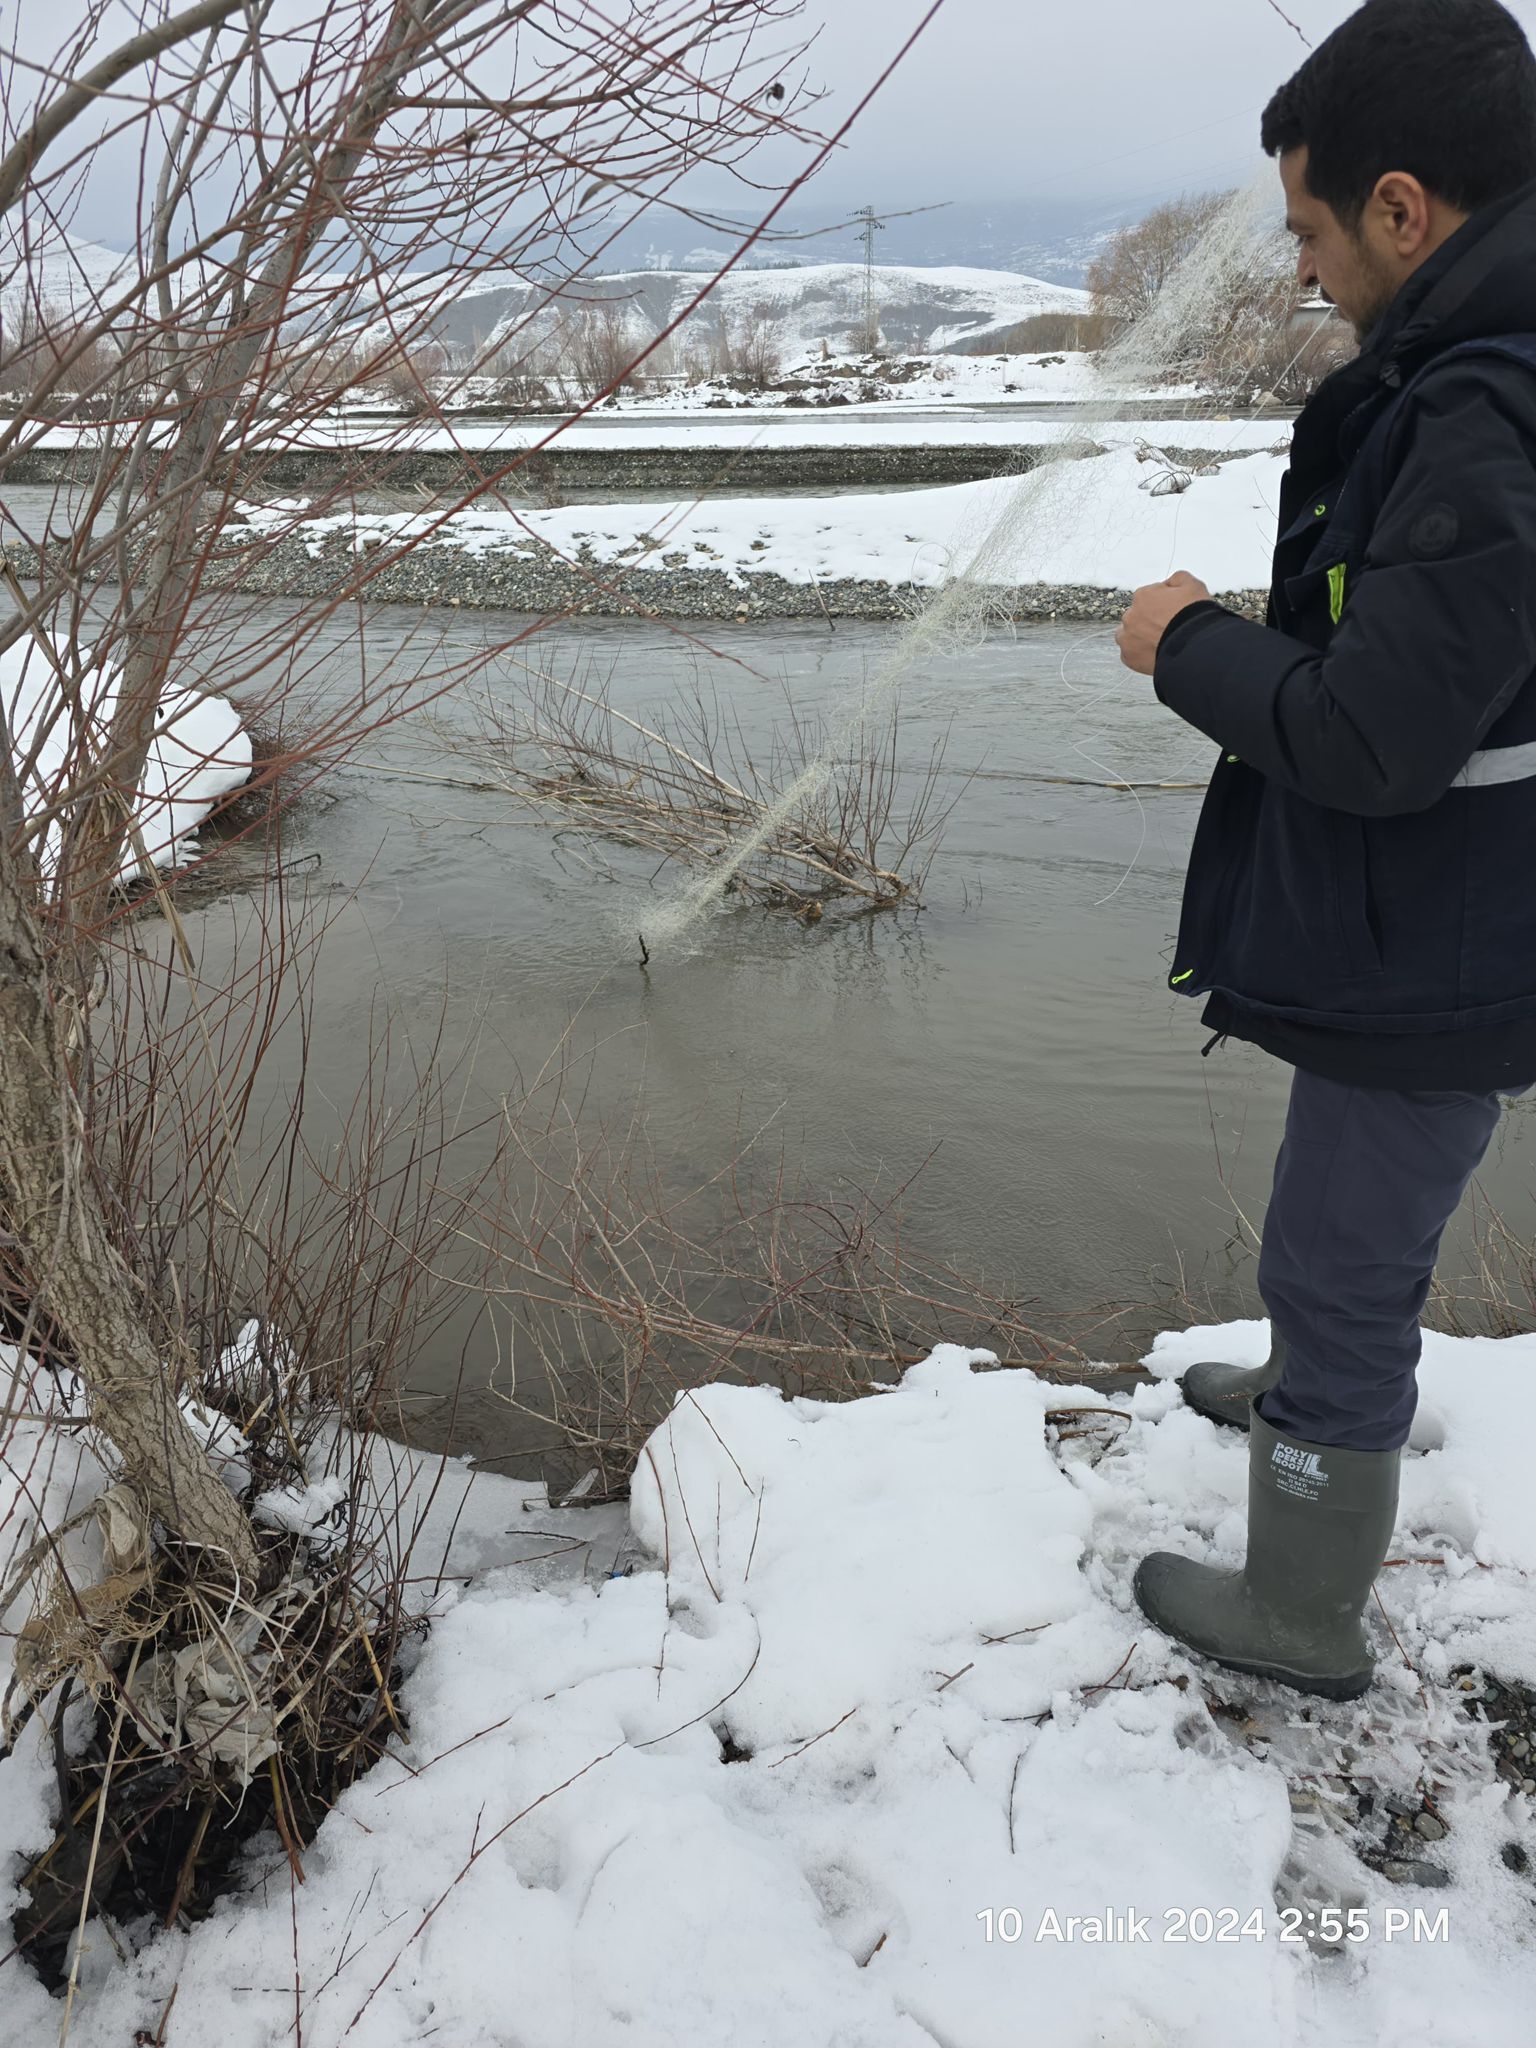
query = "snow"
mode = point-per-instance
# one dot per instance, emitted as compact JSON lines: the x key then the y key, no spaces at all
{"x":938,"y":380}
{"x":48,"y":269}
{"x":1085,"y":522}
{"x":931,"y":306}
{"x":313,"y":1511}
{"x":910,"y":1615}
{"x":201,"y":750}
{"x":814,"y":299}
{"x":919,"y":305}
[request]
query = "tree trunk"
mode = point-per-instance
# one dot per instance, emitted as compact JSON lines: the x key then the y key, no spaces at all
{"x":49,"y":1204}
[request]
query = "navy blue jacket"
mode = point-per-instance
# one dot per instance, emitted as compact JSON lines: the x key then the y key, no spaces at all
{"x":1361,"y":894}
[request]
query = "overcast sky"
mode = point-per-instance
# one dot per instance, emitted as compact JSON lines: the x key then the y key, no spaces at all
{"x":1056,"y":103}
{"x":1122,"y":99}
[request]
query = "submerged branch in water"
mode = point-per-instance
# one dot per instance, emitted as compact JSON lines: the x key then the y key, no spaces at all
{"x":686,"y":787}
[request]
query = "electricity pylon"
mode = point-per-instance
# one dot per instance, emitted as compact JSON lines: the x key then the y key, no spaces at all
{"x":873,"y":226}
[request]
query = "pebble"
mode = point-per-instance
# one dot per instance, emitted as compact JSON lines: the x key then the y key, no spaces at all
{"x":1404,"y":1870}
{"x":1430,"y":1828}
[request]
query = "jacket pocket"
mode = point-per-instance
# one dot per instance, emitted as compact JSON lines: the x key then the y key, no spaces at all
{"x":1356,"y":919}
{"x":1315,"y":600}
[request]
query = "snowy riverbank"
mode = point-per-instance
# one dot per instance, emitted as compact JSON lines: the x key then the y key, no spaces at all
{"x":1068,"y":539}
{"x":874,"y":1705}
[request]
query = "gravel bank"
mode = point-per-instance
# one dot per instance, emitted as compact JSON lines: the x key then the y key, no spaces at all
{"x":541,"y":582}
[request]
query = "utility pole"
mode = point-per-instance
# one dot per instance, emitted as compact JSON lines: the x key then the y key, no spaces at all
{"x":873,"y":226}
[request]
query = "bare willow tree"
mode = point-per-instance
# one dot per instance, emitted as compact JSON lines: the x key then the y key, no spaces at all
{"x":1254,"y":338}
{"x":310,"y":198}
{"x":1126,"y":277}
{"x":300,"y":171}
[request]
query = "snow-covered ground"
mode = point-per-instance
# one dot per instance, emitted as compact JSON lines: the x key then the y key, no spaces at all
{"x":873,"y":1742}
{"x":1088,"y":521}
{"x":928,"y":380}
{"x":200,"y":752}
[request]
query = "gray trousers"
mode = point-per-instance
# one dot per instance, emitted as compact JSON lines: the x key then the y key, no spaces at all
{"x":1365,"y":1182}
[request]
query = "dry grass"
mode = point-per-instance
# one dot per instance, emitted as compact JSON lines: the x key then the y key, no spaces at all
{"x":1494,"y":1294}
{"x":684,"y":789}
{"x":622,"y":1290}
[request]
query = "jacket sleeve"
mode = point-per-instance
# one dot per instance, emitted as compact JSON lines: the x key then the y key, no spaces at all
{"x":1438,"y":630}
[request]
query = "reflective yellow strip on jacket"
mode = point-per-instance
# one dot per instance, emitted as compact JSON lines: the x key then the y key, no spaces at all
{"x":1336,"y":592}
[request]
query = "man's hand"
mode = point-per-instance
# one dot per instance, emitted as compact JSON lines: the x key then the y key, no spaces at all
{"x":1152,"y":609}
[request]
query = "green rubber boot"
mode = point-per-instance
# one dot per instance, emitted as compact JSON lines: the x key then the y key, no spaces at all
{"x":1320,"y":1521}
{"x":1226,"y":1392}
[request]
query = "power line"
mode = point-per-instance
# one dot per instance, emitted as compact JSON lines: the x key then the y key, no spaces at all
{"x":1275,"y":4}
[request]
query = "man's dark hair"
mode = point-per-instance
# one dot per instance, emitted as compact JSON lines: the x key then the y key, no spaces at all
{"x":1443,"y":89}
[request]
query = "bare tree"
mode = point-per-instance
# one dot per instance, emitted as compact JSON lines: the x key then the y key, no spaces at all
{"x":36,"y":335}
{"x":1272,"y":347}
{"x":1251,"y":339}
{"x":295,"y":177}
{"x":745,"y":346}
{"x":758,"y":355}
{"x":383,"y":143}
{"x":1127,"y":275}
{"x":602,"y":351}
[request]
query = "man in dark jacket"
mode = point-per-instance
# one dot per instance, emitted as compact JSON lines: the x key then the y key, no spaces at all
{"x":1361,"y":895}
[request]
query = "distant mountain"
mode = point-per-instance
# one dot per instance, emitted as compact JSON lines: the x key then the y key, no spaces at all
{"x":55,"y":271}
{"x":1055,"y":242}
{"x":918,"y":308}
{"x":920,"y":305}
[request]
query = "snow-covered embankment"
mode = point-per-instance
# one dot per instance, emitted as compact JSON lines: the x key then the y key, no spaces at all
{"x":1067,"y":539}
{"x":201,"y":750}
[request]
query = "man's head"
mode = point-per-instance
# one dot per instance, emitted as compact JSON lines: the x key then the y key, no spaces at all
{"x":1412,"y":115}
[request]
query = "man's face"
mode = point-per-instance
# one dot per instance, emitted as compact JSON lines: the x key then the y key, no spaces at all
{"x":1342,"y":263}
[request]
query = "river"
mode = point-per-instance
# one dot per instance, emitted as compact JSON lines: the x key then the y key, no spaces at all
{"x":1016,"y":1034}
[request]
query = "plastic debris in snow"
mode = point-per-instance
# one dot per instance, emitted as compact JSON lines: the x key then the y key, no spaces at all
{"x":316,"y":1512}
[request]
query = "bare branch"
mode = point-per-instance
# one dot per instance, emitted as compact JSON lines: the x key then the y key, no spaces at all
{"x":50,"y":123}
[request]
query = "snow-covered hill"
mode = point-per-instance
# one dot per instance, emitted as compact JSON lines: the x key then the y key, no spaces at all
{"x":54,"y":270}
{"x":1055,"y":240}
{"x":918,"y":309}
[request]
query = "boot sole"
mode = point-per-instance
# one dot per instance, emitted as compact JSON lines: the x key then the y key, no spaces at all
{"x":1349,"y":1688}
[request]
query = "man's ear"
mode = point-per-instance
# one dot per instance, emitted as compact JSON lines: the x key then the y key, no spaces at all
{"x":1402,"y":210}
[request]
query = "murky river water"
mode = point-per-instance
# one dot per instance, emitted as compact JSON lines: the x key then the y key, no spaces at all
{"x":1016,"y":1034}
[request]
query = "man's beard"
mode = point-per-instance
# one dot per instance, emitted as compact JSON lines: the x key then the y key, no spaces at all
{"x":1366,"y":324}
{"x":1378,"y":288}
